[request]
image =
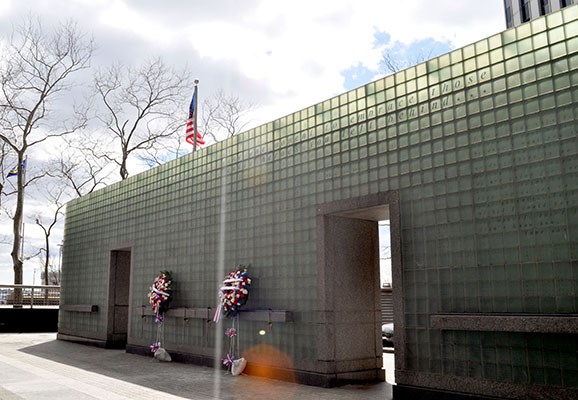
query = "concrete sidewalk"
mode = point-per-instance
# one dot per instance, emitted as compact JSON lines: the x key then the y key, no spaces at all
{"x":37,"y":366}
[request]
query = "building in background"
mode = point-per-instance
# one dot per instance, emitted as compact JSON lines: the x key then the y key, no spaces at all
{"x":520,"y":11}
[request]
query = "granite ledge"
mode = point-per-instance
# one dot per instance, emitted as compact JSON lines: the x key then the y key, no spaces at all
{"x":533,"y":323}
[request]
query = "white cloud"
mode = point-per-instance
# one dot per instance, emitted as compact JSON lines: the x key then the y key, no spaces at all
{"x":5,"y":6}
{"x":117,"y":14}
{"x":299,"y":49}
{"x":283,"y":55}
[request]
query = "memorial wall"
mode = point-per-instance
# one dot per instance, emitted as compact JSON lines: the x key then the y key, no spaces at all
{"x":472,"y":156}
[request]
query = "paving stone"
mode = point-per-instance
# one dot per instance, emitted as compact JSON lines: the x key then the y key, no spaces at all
{"x":37,"y":367}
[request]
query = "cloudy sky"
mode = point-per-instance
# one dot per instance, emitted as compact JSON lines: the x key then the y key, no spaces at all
{"x":279,"y":55}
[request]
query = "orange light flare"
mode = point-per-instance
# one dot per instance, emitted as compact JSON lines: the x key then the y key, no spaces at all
{"x":267,"y":361}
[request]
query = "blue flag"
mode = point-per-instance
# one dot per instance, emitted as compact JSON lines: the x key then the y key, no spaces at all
{"x":14,"y":171}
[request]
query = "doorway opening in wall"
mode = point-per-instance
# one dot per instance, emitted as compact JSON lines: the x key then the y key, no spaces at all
{"x":350,"y":283}
{"x":118,"y":298}
{"x":386,"y":298}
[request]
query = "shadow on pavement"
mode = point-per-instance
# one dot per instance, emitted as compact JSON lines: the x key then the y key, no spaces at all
{"x":191,"y":381}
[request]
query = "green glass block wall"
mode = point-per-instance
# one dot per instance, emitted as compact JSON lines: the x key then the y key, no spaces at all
{"x":481,"y":144}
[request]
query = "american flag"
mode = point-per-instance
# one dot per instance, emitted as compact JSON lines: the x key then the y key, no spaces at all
{"x":190,"y":138}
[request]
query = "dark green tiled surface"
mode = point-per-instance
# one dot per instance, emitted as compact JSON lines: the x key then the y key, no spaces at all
{"x":481,"y":143}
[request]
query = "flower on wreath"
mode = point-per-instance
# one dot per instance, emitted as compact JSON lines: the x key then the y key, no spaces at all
{"x":228,"y":360}
{"x":235,"y":291}
{"x":230,"y":332}
{"x":160,"y":295}
{"x":155,"y":346}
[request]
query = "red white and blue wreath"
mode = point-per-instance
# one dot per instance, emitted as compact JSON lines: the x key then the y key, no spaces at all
{"x":160,"y":295}
{"x":233,"y":294}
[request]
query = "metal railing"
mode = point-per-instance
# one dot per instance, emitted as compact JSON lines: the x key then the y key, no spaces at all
{"x":19,"y":296}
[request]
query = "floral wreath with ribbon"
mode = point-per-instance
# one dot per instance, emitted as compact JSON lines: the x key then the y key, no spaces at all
{"x":234,"y":293}
{"x":160,"y":295}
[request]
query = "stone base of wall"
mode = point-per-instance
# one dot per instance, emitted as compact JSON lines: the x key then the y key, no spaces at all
{"x":102,"y":343}
{"x":289,"y":375}
{"x":402,"y":392}
{"x":416,"y":385}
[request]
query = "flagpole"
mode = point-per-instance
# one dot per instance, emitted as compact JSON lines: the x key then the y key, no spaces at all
{"x":195,"y":129}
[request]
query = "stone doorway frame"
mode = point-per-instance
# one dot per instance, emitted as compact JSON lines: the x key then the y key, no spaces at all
{"x":341,"y":368}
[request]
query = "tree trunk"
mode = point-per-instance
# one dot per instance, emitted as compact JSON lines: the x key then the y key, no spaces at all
{"x":17,"y":229}
{"x":123,"y":170}
{"x":46,"y":262}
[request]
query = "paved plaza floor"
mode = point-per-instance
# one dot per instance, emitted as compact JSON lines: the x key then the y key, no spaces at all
{"x":37,"y":366}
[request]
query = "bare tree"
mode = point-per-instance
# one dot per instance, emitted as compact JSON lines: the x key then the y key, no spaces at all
{"x":224,"y":115}
{"x":36,"y":69}
{"x":142,"y":108}
{"x":10,"y":193}
{"x":4,"y":152}
{"x":54,"y":195}
{"x":169,"y":149}
{"x":53,"y":276}
{"x":79,"y":170}
{"x":221,"y":116}
{"x":395,"y":61}
{"x":69,"y":176}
